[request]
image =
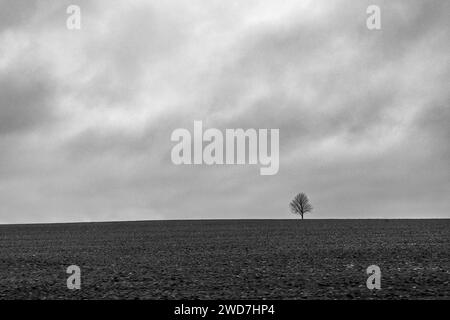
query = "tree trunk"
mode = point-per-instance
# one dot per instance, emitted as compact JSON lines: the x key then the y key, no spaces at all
{"x":302,"y":216}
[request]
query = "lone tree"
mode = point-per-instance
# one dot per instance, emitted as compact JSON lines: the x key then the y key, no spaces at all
{"x":300,"y":205}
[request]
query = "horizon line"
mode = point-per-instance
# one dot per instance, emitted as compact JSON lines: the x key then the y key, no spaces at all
{"x":220,"y":219}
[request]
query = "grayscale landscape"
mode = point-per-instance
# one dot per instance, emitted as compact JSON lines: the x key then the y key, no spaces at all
{"x":225,"y":150}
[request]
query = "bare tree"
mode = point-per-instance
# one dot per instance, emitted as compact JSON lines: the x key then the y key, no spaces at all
{"x":300,"y":205}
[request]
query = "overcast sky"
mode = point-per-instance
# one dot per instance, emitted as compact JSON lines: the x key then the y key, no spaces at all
{"x":86,"y":116}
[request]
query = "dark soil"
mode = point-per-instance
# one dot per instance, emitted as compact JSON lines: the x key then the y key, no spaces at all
{"x":227,"y":259}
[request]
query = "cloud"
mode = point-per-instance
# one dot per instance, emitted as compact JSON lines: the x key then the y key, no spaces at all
{"x":86,"y":116}
{"x":26,"y":103}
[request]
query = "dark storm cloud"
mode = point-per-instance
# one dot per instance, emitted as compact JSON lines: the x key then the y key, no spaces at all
{"x":16,"y":13}
{"x":363,"y":115}
{"x":26,"y":103}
